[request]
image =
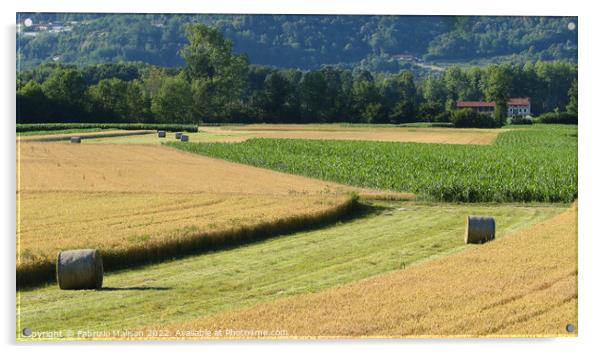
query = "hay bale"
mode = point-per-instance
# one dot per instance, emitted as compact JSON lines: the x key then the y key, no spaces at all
{"x":76,"y":139}
{"x":162,"y":133}
{"x":479,"y":229}
{"x":79,"y":269}
{"x":178,"y":135}
{"x":184,"y":138}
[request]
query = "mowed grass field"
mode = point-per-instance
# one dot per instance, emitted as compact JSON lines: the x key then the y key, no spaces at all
{"x":144,"y":203}
{"x":522,"y":285}
{"x":240,"y":133}
{"x":529,"y":163}
{"x":394,"y":236}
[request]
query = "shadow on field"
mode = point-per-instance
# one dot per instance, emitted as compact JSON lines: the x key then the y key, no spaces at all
{"x":206,"y":242}
{"x":134,"y":288}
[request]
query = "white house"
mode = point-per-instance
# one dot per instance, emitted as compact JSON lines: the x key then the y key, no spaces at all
{"x":519,"y":107}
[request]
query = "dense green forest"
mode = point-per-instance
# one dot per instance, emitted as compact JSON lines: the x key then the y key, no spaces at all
{"x":294,"y":41}
{"x":216,"y":85}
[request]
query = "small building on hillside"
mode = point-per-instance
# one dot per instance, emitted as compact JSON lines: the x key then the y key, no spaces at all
{"x":516,"y":106}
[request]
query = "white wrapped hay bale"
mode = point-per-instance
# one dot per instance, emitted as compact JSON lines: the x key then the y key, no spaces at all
{"x":76,"y":139}
{"x":162,"y":133}
{"x":184,"y":138}
{"x":79,"y":269}
{"x":479,"y":229}
{"x":178,"y":135}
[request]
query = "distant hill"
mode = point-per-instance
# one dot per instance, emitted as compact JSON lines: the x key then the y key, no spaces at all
{"x":294,"y":41}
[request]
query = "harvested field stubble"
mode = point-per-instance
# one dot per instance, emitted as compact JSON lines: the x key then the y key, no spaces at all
{"x":350,"y":132}
{"x":139,"y":168}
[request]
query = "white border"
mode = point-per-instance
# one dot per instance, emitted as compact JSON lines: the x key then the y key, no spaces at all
{"x":589,"y":172}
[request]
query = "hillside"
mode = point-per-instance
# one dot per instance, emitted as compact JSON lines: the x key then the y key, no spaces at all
{"x":384,"y":43}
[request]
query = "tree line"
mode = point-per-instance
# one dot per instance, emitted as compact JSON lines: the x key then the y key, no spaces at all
{"x":218,"y":86}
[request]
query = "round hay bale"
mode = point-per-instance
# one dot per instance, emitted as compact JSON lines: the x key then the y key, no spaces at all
{"x":184,"y":138}
{"x":178,"y":135}
{"x":76,"y":139}
{"x":162,"y":133}
{"x":479,"y":229}
{"x":79,"y":269}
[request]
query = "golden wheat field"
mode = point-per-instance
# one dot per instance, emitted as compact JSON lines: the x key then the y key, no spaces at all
{"x":126,"y":199}
{"x":115,"y":222}
{"x":147,"y":168}
{"x":335,"y":132}
{"x":524,"y":284}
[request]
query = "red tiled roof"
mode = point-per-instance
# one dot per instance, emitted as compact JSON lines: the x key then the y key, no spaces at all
{"x":511,"y":102}
{"x":465,"y":104}
{"x":519,"y":101}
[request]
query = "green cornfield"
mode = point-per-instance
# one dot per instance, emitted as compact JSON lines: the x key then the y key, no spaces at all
{"x":526,"y":164}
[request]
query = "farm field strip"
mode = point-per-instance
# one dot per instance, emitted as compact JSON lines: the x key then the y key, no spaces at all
{"x":399,"y":234}
{"x":59,"y":131}
{"x":522,"y":285}
{"x":138,"y":168}
{"x":537,"y":163}
{"x":52,"y":128}
{"x":345,"y":127}
{"x":234,"y":133}
{"x":152,"y":139}
{"x":329,"y":132}
{"x":59,"y":136}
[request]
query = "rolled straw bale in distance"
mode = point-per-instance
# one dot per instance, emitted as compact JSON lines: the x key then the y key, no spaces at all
{"x":178,"y":135}
{"x":79,"y":269}
{"x":184,"y":138}
{"x":479,"y":229}
{"x":76,"y":139}
{"x":161,"y":133}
